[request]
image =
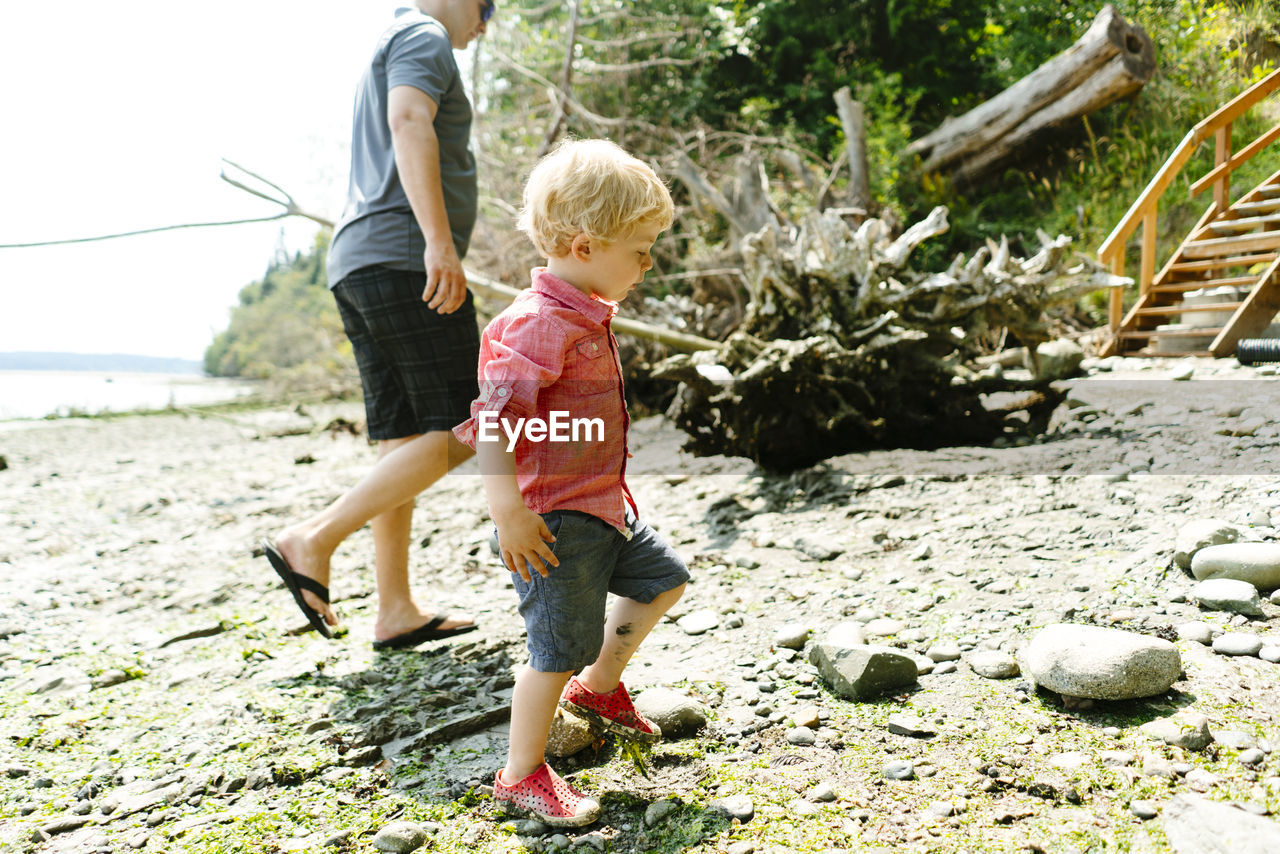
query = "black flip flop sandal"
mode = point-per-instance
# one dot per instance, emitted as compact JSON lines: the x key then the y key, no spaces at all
{"x":296,"y":583}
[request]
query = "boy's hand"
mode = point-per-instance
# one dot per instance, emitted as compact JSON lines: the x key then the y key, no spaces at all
{"x":522,"y":542}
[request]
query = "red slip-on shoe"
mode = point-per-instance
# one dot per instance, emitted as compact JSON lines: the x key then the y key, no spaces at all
{"x":548,"y":798}
{"x":613,"y":711}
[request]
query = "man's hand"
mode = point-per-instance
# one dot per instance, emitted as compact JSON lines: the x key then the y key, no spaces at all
{"x":522,"y":542}
{"x":446,"y":288}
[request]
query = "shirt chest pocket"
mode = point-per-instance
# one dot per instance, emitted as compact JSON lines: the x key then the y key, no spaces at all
{"x":595,"y":367}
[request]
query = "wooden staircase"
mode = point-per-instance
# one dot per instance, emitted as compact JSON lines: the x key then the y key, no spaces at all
{"x":1228,"y":265}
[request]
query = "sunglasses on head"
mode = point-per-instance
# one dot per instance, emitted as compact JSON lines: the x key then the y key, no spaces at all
{"x":487,"y":12}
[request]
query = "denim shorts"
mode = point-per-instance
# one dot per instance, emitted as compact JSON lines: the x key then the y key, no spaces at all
{"x":564,"y":613}
{"x":417,"y":366}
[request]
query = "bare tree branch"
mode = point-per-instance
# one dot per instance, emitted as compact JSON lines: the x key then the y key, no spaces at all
{"x":271,"y":218}
{"x":605,"y":68}
{"x":564,"y":94}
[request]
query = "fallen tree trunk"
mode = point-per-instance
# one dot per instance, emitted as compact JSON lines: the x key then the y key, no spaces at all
{"x":1112,"y":60}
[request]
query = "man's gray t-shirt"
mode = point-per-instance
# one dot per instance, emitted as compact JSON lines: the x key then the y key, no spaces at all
{"x":378,"y":226}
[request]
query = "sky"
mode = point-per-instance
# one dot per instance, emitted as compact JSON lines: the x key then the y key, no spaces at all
{"x":115,"y":117}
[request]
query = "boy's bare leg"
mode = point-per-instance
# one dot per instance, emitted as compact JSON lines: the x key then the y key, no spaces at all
{"x":533,"y":706}
{"x":405,"y":467}
{"x":628,"y":625}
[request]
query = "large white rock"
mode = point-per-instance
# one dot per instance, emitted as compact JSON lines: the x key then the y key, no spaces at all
{"x":1100,"y":663}
{"x":1201,"y":534}
{"x":1256,"y":563}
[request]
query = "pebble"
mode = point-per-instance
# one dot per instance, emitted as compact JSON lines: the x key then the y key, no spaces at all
{"x":675,"y":714}
{"x":659,"y":810}
{"x":944,"y":651}
{"x":846,"y":633}
{"x":1201,"y":534}
{"x":822,"y":793}
{"x":400,"y":837}
{"x":802,"y":736}
{"x":1228,"y":594}
{"x":884,"y":627}
{"x":699,"y":622}
{"x":899,"y":769}
{"x":909,"y":726}
{"x":1270,"y":653}
{"x":1196,"y":631}
{"x":1185,"y":729}
{"x":1252,"y":756}
{"x":1237,"y":643}
{"x":992,"y":664}
{"x":1144,"y":810}
{"x":791,"y":636}
{"x":740,"y":807}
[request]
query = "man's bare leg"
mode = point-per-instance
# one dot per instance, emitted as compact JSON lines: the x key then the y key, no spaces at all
{"x":405,"y":468}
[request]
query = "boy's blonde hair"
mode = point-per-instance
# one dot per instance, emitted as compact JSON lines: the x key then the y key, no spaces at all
{"x":591,"y":187}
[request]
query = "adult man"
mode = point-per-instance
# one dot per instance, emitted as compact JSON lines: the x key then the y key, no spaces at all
{"x":396,"y":272}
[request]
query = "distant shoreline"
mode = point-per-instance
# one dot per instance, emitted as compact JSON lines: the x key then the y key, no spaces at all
{"x":98,"y":363}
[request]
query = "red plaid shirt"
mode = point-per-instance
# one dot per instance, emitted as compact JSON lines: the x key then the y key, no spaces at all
{"x":550,"y":356}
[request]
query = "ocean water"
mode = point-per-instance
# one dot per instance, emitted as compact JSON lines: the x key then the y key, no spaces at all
{"x":35,"y":394}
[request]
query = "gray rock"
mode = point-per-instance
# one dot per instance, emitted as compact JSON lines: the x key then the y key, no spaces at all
{"x":993,"y":664}
{"x":744,"y":847}
{"x":1270,"y":653}
{"x":817,"y":549}
{"x":1188,"y":730}
{"x":944,"y":651}
{"x":1196,"y":631}
{"x":1144,"y":810}
{"x":1057,"y":359}
{"x":659,"y":810}
{"x":1252,"y":756}
{"x":884,"y":626}
{"x":735,"y":806}
{"x":699,"y":622}
{"x":862,"y":672}
{"x":1201,"y":534}
{"x":1100,"y":663}
{"x":847,"y":633}
{"x":791,"y":636}
{"x":1275,"y":597}
{"x":1195,"y":825}
{"x":569,"y":734}
{"x":899,"y":769}
{"x":801,"y":735}
{"x":676,"y":715}
{"x":822,"y":793}
{"x":400,"y":837}
{"x":909,"y":726}
{"x":1237,"y":643}
{"x":1256,"y":563}
{"x":1235,"y":739}
{"x":1227,"y":594}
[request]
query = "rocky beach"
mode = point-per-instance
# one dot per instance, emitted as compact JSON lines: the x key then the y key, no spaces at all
{"x":1062,"y":645}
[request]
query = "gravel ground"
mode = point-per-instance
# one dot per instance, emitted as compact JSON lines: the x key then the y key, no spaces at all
{"x":159,"y":692}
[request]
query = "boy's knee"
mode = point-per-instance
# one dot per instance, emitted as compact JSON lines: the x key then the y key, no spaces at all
{"x":673,"y":595}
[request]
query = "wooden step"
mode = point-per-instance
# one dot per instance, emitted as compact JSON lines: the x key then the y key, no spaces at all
{"x":1200,"y":332}
{"x":1222,"y":246}
{"x":1248,"y":223}
{"x":1187,"y":309}
{"x":1255,"y":208}
{"x":1269,"y":191}
{"x":1221,"y":263}
{"x":1198,"y":284}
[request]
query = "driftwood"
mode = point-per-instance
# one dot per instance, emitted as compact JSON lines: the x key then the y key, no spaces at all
{"x":846,"y":348}
{"x":1112,"y":60}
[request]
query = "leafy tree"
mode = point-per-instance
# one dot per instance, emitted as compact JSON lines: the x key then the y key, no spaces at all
{"x":286,"y":329}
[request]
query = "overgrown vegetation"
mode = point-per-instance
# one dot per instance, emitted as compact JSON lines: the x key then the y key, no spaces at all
{"x":712,"y":80}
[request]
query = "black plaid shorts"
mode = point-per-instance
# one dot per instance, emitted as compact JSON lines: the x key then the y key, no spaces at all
{"x":417,"y":367}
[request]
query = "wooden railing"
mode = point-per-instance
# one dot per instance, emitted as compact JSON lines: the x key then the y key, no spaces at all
{"x":1143,"y":210}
